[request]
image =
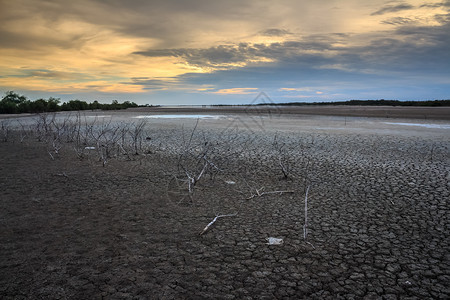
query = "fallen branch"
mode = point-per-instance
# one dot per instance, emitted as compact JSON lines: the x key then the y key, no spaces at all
{"x":214,"y":220}
{"x":305,"y":226}
{"x":51,"y":155}
{"x":260,"y":194}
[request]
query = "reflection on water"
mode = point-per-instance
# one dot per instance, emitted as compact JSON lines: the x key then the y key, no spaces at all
{"x":179,"y":117}
{"x":420,"y":125}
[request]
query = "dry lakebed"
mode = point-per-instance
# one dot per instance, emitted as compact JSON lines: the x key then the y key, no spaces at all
{"x":226,"y":203}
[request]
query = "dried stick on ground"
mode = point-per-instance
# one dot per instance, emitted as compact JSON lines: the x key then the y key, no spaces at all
{"x":214,"y":220}
{"x":285,"y":154}
{"x":305,"y":226}
{"x":259,"y":193}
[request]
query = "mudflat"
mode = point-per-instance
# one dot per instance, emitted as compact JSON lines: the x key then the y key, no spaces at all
{"x":93,"y":205}
{"x":408,"y":112}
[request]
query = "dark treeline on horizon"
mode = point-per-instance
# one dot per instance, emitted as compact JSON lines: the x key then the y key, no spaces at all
{"x":380,"y":102}
{"x":13,"y":103}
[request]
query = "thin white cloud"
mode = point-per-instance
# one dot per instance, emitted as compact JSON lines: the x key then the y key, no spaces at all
{"x":305,"y":89}
{"x":236,"y":91}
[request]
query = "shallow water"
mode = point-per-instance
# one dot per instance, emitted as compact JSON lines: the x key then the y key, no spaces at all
{"x":179,"y":117}
{"x":426,"y":125}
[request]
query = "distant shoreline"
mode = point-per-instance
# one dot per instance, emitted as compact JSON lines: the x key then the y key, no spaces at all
{"x":388,"y":112}
{"x":408,"y":112}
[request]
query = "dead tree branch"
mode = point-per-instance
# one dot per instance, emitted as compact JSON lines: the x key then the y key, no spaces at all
{"x":214,"y":220}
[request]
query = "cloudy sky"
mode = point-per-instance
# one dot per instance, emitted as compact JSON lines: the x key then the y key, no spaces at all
{"x":206,"y":51}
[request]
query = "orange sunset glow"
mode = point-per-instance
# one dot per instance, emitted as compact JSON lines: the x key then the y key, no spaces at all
{"x":196,"y":52}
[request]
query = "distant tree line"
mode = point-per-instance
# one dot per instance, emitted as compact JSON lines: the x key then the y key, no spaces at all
{"x":13,"y":103}
{"x":381,"y":102}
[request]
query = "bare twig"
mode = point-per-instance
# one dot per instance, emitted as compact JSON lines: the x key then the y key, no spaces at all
{"x":259,"y":193}
{"x":305,"y":226}
{"x":214,"y":220}
{"x":51,"y":155}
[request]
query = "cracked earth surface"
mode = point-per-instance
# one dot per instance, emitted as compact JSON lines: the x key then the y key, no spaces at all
{"x":378,"y":222}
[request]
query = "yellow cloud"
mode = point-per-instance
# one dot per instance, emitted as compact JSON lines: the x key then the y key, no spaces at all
{"x":305,"y":89}
{"x":86,"y":56}
{"x":36,"y":84}
{"x":205,"y":89}
{"x":294,"y":89}
{"x":236,"y":91}
{"x":94,"y":50}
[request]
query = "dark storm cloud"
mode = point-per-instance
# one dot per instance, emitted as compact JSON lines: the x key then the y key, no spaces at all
{"x":420,"y":51}
{"x":426,"y":48}
{"x":442,"y":18}
{"x":411,"y":48}
{"x":151,"y":83}
{"x":392,"y":8}
{"x":209,"y":57}
{"x":275,"y":32}
{"x":399,"y":21}
{"x":162,"y":20}
{"x":49,"y":74}
{"x":223,"y":55}
{"x":437,"y":4}
{"x":29,"y":41}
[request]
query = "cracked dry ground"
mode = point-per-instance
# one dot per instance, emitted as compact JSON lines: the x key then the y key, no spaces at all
{"x":378,"y":220}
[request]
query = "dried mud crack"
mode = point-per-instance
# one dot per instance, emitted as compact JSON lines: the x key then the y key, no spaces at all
{"x":378,"y":219}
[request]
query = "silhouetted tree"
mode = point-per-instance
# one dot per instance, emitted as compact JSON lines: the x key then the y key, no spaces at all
{"x":10,"y":103}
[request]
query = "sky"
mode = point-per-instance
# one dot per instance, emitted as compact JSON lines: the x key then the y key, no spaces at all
{"x":225,"y":52}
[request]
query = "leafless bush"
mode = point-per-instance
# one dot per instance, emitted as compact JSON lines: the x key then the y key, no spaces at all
{"x":123,"y":141}
{"x":136,"y":133}
{"x":284,"y":157}
{"x":24,"y":131}
{"x":56,"y":132}
{"x":105,"y":136}
{"x":83,"y":131}
{"x":5,"y":130}
{"x":73,"y":128}
{"x":195,"y":162}
{"x":44,"y":126}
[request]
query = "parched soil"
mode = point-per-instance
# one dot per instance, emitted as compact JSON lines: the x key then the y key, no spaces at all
{"x":377,"y":220}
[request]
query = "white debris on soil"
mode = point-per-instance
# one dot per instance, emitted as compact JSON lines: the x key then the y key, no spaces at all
{"x":230,"y":182}
{"x":274,"y":241}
